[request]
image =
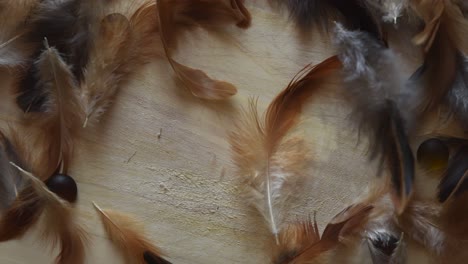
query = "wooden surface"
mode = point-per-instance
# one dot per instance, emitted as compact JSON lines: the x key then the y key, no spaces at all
{"x":182,"y":185}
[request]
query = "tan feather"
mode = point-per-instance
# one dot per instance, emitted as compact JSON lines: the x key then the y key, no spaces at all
{"x":59,"y":225}
{"x":269,"y":167}
{"x":177,"y":16}
{"x":59,"y":123}
{"x":120,"y":49}
{"x":126,"y":235}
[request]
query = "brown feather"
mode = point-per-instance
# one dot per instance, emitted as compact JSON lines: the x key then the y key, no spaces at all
{"x":126,"y":235}
{"x":267,"y":164}
{"x":120,"y":49}
{"x":59,"y":226}
{"x":14,"y":14}
{"x":443,"y":39}
{"x":177,"y":16}
{"x":348,"y":222}
{"x":63,"y":115}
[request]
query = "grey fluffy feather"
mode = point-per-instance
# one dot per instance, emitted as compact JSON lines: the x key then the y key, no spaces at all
{"x":390,"y":10}
{"x":373,"y":76}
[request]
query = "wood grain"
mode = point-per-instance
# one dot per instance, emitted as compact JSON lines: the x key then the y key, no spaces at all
{"x":182,"y":184}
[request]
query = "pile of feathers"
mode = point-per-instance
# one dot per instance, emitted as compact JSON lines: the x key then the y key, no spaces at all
{"x":70,"y":58}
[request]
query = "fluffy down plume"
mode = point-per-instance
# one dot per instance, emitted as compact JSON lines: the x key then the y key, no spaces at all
{"x":61,"y":117}
{"x":121,"y":48}
{"x":59,"y":227}
{"x":270,"y":165}
{"x":182,"y":15}
{"x":390,"y":10}
{"x":127,"y":236}
{"x":14,"y":14}
{"x":301,"y":243}
{"x":384,"y":105}
{"x":386,"y":248}
{"x":353,"y":14}
{"x":69,"y":27}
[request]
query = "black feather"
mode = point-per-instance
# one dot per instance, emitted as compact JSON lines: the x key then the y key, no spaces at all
{"x":458,"y":96}
{"x":455,"y":179}
{"x":67,"y":27}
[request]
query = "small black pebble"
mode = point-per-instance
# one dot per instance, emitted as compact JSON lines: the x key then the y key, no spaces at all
{"x":64,"y":186}
{"x":433,"y":154}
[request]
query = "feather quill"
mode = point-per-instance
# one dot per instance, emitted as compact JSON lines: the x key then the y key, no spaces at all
{"x":61,"y":116}
{"x":384,"y":105}
{"x":126,"y":235}
{"x":60,"y":228}
{"x":345,"y":224}
{"x":268,"y":166}
{"x":177,"y":16}
{"x":120,"y":48}
{"x":353,"y":13}
{"x":69,"y":26}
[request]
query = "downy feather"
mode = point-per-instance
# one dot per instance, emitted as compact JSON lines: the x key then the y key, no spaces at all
{"x":61,"y":116}
{"x":14,"y":14}
{"x":390,"y":10}
{"x":120,"y":48}
{"x":68,"y":25}
{"x":352,"y":13}
{"x":181,"y":15}
{"x":269,"y":165}
{"x":127,"y":236}
{"x":59,"y":227}
{"x":384,"y":105}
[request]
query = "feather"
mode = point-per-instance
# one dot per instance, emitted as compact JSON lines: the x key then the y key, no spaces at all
{"x":121,"y":47}
{"x":68,"y":25}
{"x":19,"y":205}
{"x":295,"y":238}
{"x":348,"y":222}
{"x":353,"y":13}
{"x":14,"y":14}
{"x":61,"y":116}
{"x":385,"y":248}
{"x":177,"y":16}
{"x":391,"y":10}
{"x":126,"y":235}
{"x":443,"y":39}
{"x":267,"y":166}
{"x":384,"y":105}
{"x":455,"y":178}
{"x":458,"y":94}
{"x":59,"y":225}
{"x":150,"y":258}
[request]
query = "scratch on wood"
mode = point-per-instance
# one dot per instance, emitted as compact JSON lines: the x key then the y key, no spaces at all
{"x":131,"y":157}
{"x":160,"y":133}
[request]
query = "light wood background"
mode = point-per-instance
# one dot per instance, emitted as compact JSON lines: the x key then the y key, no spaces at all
{"x":182,"y":185}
